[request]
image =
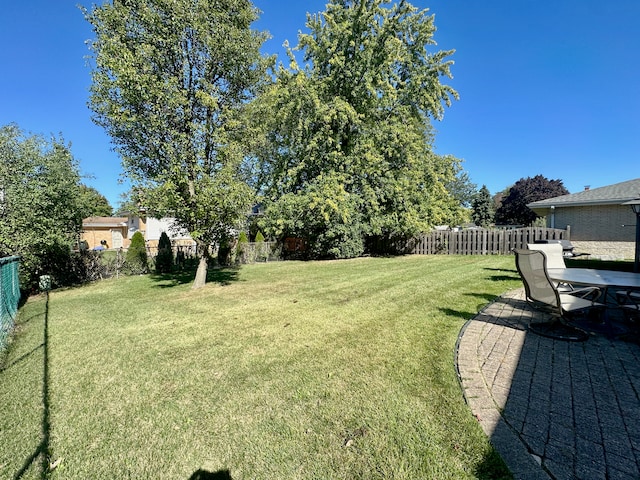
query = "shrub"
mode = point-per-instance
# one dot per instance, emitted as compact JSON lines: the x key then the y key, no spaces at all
{"x":136,"y":259}
{"x":243,"y":252}
{"x":164,"y":260}
{"x":262,"y":250}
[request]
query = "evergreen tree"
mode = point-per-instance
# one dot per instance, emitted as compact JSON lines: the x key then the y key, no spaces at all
{"x":164,"y":259}
{"x":482,"y":208}
{"x":136,"y":258}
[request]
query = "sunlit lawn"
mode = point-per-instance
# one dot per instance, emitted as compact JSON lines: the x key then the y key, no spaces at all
{"x":286,"y":370}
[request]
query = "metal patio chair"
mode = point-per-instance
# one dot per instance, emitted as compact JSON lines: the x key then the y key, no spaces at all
{"x":544,"y":295}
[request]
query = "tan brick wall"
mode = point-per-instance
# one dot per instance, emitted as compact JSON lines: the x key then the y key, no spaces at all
{"x":603,"y":223}
{"x":606,"y":231}
{"x":606,"y":250}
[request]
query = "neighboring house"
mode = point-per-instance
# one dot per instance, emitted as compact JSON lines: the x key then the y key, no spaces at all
{"x":116,"y":232}
{"x":104,"y":232}
{"x":151,"y":228}
{"x":598,"y":221}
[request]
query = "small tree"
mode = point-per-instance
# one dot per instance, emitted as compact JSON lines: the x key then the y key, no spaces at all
{"x":136,"y":260}
{"x":242,"y":248}
{"x":482,"y":208}
{"x":164,"y":260}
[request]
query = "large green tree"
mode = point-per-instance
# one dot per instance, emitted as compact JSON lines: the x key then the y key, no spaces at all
{"x":169,"y":81}
{"x":93,"y":203}
{"x":514,"y":211}
{"x":40,"y":215}
{"x":348,"y":157}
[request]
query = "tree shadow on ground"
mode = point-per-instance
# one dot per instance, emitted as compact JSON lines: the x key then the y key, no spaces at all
{"x":219,"y":275}
{"x":201,"y":474}
{"x":507,"y":274}
{"x":42,"y":450}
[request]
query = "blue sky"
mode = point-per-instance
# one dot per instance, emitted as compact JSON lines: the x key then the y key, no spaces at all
{"x":545,"y":87}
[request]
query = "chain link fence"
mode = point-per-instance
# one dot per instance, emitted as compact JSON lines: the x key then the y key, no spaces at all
{"x":9,"y":296}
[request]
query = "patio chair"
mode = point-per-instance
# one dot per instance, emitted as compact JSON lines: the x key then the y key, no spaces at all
{"x":629,"y":301}
{"x":567,"y":248}
{"x":555,"y":259}
{"x":553,"y":252}
{"x":542,"y":294}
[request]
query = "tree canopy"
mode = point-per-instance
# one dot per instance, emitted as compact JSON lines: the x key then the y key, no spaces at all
{"x":40,"y":212}
{"x":169,"y":82}
{"x":348,"y":157}
{"x":93,"y":204}
{"x":513,"y":209}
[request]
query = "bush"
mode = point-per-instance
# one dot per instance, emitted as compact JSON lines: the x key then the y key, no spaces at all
{"x":262,"y":250}
{"x":164,"y":260}
{"x":136,"y":259}
{"x":243,"y":252}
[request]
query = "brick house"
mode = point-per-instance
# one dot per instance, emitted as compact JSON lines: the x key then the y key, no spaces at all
{"x":105,"y":232}
{"x":116,"y":232}
{"x":598,"y":221}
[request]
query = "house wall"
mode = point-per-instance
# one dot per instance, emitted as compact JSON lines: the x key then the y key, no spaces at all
{"x":95,"y":235}
{"x":605,"y":231}
{"x":156,"y":226}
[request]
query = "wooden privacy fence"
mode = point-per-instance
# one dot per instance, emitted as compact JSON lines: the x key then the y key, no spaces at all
{"x":481,"y":241}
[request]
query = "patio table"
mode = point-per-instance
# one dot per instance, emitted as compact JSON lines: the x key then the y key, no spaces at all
{"x":595,"y":278}
{"x":605,"y":279}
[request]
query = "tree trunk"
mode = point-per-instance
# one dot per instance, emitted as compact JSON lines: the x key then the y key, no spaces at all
{"x":203,"y":266}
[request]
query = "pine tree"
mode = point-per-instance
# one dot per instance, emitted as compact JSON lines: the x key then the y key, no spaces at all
{"x":164,"y":260}
{"x":482,"y":208}
{"x":136,"y":259}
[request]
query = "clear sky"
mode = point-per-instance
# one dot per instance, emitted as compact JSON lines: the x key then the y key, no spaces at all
{"x":546,"y":87}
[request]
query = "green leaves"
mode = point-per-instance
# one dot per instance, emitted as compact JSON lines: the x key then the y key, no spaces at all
{"x":355,"y":123}
{"x":170,"y":84}
{"x":40,"y":212}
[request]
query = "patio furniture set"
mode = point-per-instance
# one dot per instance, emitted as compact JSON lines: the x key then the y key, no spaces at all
{"x":577,"y":299}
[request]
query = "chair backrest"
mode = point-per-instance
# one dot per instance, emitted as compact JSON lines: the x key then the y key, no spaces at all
{"x":553,"y":252}
{"x":532,"y":266}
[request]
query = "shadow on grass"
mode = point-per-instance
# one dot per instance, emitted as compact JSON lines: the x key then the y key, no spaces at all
{"x":486,"y":298}
{"x":206,"y":475}
{"x":42,"y":450}
{"x":493,"y":467}
{"x":220,"y":275}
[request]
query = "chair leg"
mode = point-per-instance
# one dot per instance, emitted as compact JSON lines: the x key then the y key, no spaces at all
{"x":558,"y":330}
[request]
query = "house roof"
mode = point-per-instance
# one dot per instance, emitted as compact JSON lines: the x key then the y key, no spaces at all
{"x":104,"y":222}
{"x":615,"y":194}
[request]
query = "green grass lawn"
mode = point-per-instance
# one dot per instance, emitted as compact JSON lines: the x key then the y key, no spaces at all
{"x":286,"y":370}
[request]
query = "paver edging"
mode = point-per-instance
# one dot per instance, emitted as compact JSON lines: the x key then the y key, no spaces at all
{"x":504,"y":439}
